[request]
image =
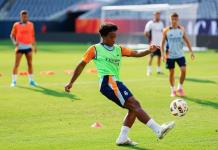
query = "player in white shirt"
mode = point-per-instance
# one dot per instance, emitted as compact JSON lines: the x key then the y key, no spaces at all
{"x":153,"y":31}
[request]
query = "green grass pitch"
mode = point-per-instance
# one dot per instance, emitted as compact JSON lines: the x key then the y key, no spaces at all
{"x":45,"y":117}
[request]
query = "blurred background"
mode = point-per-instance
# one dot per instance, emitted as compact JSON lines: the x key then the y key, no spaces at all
{"x":78,"y":21}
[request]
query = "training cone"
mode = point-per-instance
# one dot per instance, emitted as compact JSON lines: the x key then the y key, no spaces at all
{"x":23,"y":73}
{"x":96,"y":125}
{"x":69,"y":72}
{"x":92,"y":71}
{"x":50,"y":72}
{"x":45,"y":73}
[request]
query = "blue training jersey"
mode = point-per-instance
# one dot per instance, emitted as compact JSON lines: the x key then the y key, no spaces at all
{"x":175,"y":42}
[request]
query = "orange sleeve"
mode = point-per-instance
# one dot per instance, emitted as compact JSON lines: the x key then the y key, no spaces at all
{"x":89,"y":54}
{"x":126,"y":51}
{"x":14,"y":29}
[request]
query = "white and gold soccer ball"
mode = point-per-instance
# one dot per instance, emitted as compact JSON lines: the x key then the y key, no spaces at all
{"x":178,"y":107}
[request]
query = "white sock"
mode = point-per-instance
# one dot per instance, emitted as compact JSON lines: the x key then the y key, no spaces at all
{"x":30,"y":77}
{"x":172,"y":88}
{"x":124,"y":132}
{"x":14,"y":77}
{"x":149,"y":69}
{"x":158,"y":69}
{"x":154,"y":126}
{"x":179,"y":86}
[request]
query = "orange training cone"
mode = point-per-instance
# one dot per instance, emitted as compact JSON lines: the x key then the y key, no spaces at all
{"x":69,"y":72}
{"x":23,"y":73}
{"x":96,"y":125}
{"x":92,"y":71}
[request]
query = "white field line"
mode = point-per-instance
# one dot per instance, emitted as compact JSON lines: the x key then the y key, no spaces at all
{"x":88,"y":82}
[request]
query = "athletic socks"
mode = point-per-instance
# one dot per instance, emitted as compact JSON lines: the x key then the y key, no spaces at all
{"x":179,"y":86}
{"x":154,"y":126}
{"x":30,"y":77}
{"x":158,"y":69}
{"x":124,"y":132}
{"x":149,"y":68}
{"x":172,"y":88}
{"x":14,"y":78}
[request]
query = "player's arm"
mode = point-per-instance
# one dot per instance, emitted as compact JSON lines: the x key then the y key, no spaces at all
{"x":139,"y":53}
{"x":76,"y":74}
{"x":163,"y":41}
{"x":34,"y":40}
{"x":89,"y":55}
{"x":147,"y":30}
{"x":147,"y":34}
{"x":187,"y":42}
{"x":13,"y":35}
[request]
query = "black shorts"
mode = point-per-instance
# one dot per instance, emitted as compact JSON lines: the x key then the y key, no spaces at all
{"x":114,"y":90}
{"x":24,"y":51}
{"x":156,"y":53}
{"x":170,"y":64}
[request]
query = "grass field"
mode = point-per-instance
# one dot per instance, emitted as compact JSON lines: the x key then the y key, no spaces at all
{"x":47,"y":118}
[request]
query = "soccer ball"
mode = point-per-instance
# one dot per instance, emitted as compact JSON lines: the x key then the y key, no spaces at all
{"x":178,"y":107}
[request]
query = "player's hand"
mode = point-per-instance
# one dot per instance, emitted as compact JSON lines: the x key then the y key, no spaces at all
{"x":192,"y":56}
{"x":68,"y":87}
{"x":35,"y":50}
{"x":163,"y":57}
{"x":153,"y":48}
{"x":16,"y":45}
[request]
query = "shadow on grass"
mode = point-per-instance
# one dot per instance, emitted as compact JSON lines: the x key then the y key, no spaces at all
{"x":133,"y":147}
{"x":201,"y":80}
{"x":203,"y":102}
{"x":50,"y":92}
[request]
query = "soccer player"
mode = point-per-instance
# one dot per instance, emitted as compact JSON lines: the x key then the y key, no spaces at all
{"x":23,"y":37}
{"x":175,"y":36}
{"x":153,"y":32}
{"x":107,"y":57}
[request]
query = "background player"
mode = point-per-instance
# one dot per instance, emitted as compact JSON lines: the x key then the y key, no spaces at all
{"x":175,"y":35}
{"x":23,"y":37}
{"x":107,"y":58}
{"x":153,"y":31}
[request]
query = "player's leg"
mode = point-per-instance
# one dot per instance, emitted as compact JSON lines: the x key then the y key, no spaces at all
{"x":18,"y":57}
{"x":182,"y":64}
{"x":170,"y":64}
{"x":133,"y":105}
{"x":149,"y":68}
{"x":160,"y":130}
{"x":158,"y":54}
{"x":159,"y":65}
{"x":172,"y":82}
{"x":182,"y":76}
{"x":29,"y":59}
{"x":129,"y":120}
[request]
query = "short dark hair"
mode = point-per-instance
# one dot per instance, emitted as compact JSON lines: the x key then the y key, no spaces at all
{"x":174,"y":15}
{"x":106,"y":28}
{"x":157,"y":12}
{"x":23,"y":12}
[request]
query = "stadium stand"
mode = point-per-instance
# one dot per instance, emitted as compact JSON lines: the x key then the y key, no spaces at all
{"x":43,"y":9}
{"x":1,"y":3}
{"x":39,"y":9}
{"x":207,"y":9}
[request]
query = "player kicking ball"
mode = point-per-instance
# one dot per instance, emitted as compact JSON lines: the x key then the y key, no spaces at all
{"x":23,"y":37}
{"x":107,"y":57}
{"x":175,"y":35}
